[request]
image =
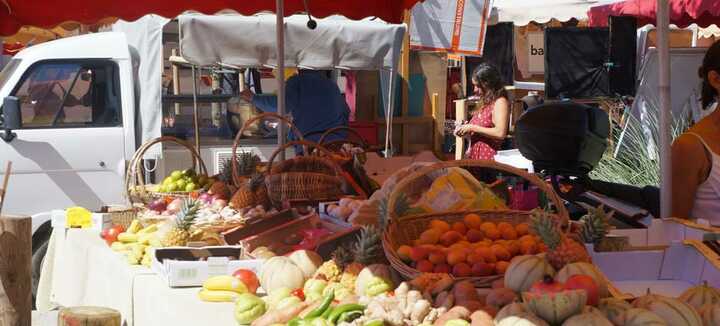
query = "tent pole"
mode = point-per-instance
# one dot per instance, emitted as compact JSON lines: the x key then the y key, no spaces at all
{"x":389,"y":114}
{"x":196,"y":123}
{"x":663,"y":22}
{"x":280,"y":74}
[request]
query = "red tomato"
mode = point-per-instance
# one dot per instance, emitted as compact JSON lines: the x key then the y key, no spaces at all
{"x":112,"y":233}
{"x":299,"y":293}
{"x":248,"y":278}
{"x":587,"y":283}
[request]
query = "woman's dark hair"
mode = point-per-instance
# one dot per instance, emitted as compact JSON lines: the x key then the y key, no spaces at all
{"x":489,"y":81}
{"x":711,"y":62}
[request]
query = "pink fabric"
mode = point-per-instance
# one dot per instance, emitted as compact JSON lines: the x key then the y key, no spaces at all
{"x":350,"y":89}
{"x":483,"y":147}
{"x":682,"y":12}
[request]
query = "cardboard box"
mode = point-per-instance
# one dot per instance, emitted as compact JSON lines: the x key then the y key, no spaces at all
{"x":100,"y":221}
{"x":181,"y":267}
{"x":662,"y":232}
{"x":235,"y":235}
{"x":273,"y":238}
{"x":667,"y":270}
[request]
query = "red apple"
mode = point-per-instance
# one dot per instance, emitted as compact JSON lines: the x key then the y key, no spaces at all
{"x":248,"y":278}
{"x":587,"y":283}
{"x":547,"y":286}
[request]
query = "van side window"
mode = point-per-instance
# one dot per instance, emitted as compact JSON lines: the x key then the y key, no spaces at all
{"x":70,"y":95}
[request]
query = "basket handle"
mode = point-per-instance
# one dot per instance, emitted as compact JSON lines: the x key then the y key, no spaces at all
{"x":247,"y":124}
{"x":307,"y":146}
{"x":134,"y":175}
{"x":549,"y":192}
{"x":331,"y":131}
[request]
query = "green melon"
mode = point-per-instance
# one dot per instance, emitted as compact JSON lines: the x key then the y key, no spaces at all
{"x":523,"y":271}
{"x":700,"y":295}
{"x":639,"y":317}
{"x":587,"y":319}
{"x":613,"y":308}
{"x":582,"y":268}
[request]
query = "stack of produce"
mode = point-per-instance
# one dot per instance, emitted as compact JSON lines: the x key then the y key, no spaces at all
{"x":136,"y":243}
{"x":184,"y":181}
{"x":345,"y":208}
{"x":470,"y":247}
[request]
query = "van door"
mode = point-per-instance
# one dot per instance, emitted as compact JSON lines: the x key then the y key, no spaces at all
{"x":70,"y":148}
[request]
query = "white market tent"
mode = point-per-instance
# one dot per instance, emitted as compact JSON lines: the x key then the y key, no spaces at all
{"x":522,"y":12}
{"x":337,"y":43}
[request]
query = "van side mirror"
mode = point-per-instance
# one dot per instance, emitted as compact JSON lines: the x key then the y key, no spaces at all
{"x":10,"y":117}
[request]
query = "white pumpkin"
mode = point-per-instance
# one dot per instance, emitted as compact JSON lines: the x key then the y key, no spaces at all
{"x":521,"y":319}
{"x":280,"y":272}
{"x":308,"y":261}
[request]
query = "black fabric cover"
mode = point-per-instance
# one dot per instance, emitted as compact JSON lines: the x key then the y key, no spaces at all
{"x":575,"y":62}
{"x":623,"y":37}
{"x":498,"y":51}
{"x":563,"y":137}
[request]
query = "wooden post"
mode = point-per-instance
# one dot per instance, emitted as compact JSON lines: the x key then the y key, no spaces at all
{"x":460,"y":116}
{"x":89,"y":316}
{"x":438,"y":114}
{"x":175,"y":81}
{"x":405,"y":82}
{"x":15,"y":270}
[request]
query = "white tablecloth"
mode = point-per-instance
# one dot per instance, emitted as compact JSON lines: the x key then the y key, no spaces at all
{"x":80,"y":269}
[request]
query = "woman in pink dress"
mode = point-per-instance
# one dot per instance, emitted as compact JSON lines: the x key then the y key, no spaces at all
{"x":488,"y":126}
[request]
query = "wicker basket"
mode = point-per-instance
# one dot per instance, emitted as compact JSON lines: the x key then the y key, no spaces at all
{"x":308,"y":178}
{"x":237,"y":178}
{"x":121,"y":215}
{"x":136,"y":189}
{"x":402,"y":230}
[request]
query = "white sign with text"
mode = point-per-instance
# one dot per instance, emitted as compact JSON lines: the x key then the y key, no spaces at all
{"x":536,"y":52}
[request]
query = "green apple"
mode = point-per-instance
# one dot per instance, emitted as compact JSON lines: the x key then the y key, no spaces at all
{"x":190,"y":187}
{"x":180,"y":184}
{"x":176,"y":175}
{"x":172,"y":187}
{"x":167,"y":181}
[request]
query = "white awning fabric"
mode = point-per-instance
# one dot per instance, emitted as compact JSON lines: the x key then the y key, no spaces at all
{"x":522,"y":12}
{"x":249,"y":41}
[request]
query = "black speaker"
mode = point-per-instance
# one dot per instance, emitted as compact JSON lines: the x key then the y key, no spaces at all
{"x":623,"y":52}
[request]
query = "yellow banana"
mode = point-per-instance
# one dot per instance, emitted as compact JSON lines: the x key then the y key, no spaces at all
{"x":224,"y":283}
{"x":147,"y":259}
{"x":144,"y":238}
{"x":118,"y":246}
{"x":133,"y":259}
{"x":134,"y":227}
{"x":138,"y":249}
{"x":150,"y":229}
{"x":127,"y":237}
{"x":217,"y":296}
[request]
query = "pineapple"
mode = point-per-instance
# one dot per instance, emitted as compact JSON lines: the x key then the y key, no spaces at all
{"x":342,"y":256}
{"x":562,"y":249}
{"x":179,"y":235}
{"x":368,"y":248}
{"x":328,"y":271}
{"x":252,"y":193}
{"x":247,"y":165}
{"x":595,"y":225}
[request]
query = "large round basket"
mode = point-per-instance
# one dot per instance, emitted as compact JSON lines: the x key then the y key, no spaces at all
{"x":137,"y":190}
{"x":404,"y":229}
{"x":237,"y":178}
{"x":310,"y":177}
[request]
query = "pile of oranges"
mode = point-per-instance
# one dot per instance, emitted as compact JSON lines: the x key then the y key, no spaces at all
{"x":470,"y":247}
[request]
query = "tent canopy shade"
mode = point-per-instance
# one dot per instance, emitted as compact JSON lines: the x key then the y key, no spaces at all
{"x":15,"y":14}
{"x":336,"y":43}
{"x":682,"y":12}
{"x":522,"y":12}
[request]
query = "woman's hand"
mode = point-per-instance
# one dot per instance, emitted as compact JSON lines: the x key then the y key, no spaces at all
{"x":465,"y":130}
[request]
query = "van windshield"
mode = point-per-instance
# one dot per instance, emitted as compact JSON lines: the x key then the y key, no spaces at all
{"x":8,"y":71}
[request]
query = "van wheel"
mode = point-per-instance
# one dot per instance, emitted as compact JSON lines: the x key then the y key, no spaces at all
{"x":38,"y":258}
